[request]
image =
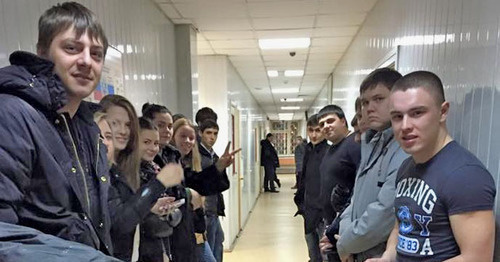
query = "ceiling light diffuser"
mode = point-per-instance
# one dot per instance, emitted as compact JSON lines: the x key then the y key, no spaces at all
{"x":290,"y":107}
{"x":272,"y":73}
{"x":285,"y":90}
{"x":284,"y":43}
{"x":294,"y":73}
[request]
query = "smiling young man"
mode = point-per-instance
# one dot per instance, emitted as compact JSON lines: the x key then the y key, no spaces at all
{"x":53,"y":170}
{"x":367,"y":222}
{"x":445,"y":196}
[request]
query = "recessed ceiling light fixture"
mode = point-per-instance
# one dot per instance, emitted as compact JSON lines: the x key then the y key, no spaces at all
{"x":290,"y":107}
{"x":272,"y":73}
{"x":294,"y":73}
{"x":284,"y":43}
{"x":292,"y":99}
{"x":285,"y":90}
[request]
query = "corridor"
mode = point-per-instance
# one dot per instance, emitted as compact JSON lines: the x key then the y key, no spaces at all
{"x":272,"y":233}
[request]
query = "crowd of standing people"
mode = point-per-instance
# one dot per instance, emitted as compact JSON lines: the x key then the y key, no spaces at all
{"x":83,"y":177}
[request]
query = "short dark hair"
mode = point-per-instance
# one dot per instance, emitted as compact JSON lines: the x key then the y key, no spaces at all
{"x":61,"y":17}
{"x":357,"y":104}
{"x":313,"y":120}
{"x":422,"y":79}
{"x":149,"y":110}
{"x":354,"y":121}
{"x":209,"y":123}
{"x":386,"y":76}
{"x":147,"y":124}
{"x":205,"y":113}
{"x":332,"y":109}
{"x":269,"y":135}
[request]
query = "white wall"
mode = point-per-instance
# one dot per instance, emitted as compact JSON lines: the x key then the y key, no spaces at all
{"x":138,"y":24}
{"x":459,"y":40}
{"x":221,"y":88}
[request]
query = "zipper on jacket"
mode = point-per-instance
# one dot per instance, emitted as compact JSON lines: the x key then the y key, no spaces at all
{"x":79,"y":163}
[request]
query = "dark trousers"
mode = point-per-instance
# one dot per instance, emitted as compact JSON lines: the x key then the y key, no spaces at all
{"x":269,"y":177}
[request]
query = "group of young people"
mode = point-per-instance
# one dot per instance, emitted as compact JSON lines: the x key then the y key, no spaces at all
{"x":75,"y":174}
{"x":398,"y":188}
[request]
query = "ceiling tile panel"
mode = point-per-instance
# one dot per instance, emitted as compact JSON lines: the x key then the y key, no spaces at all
{"x":299,"y":22}
{"x":212,"y":9}
{"x":228,"y":35}
{"x":289,"y":33}
{"x":342,"y":6}
{"x":234,"y":44}
{"x":340,"y":20}
{"x":170,"y":11}
{"x":282,"y":9}
{"x":244,"y":51}
{"x":222,"y":24}
{"x":331,"y":41}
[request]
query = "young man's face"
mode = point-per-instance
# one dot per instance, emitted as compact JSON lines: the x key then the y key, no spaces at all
{"x":416,"y":120}
{"x":209,"y":137}
{"x":314,"y":134}
{"x":333,"y":127}
{"x":78,"y":62}
{"x":375,"y":106}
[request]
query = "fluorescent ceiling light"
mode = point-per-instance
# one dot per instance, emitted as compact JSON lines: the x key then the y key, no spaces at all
{"x":285,"y":90}
{"x":290,"y":107}
{"x":284,"y":43}
{"x":292,"y":73}
{"x":285,"y":116}
{"x":272,"y":73}
{"x":292,"y":99}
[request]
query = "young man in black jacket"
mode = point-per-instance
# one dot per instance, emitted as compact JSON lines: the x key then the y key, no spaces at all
{"x":308,"y":196}
{"x":338,"y":168}
{"x":214,"y":204}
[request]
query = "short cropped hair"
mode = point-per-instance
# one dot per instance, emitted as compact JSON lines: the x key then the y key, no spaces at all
{"x":204,"y":114}
{"x":177,"y":117}
{"x":61,"y":17}
{"x":209,"y":123}
{"x":422,"y":79}
{"x":313,"y":120}
{"x":269,"y":135}
{"x":386,"y":76}
{"x":149,"y":110}
{"x":332,"y":109}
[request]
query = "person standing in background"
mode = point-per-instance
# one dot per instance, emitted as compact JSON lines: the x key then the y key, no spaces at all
{"x":270,"y":161}
{"x":300,"y":147}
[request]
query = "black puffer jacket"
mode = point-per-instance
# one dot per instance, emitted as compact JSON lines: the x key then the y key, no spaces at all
{"x":47,"y":159}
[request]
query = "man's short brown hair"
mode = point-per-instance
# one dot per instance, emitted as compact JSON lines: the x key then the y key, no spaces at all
{"x":385,"y":76}
{"x":61,"y":17}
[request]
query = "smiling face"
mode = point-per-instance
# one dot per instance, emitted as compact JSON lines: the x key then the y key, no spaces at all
{"x":375,"y":106}
{"x":120,"y":123}
{"x":149,"y":144}
{"x":77,"y":61}
{"x":184,"y":139}
{"x":107,"y":138}
{"x":333,"y":127}
{"x":419,"y":122}
{"x":164,"y":123}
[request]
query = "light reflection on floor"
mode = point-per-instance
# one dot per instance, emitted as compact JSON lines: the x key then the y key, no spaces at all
{"x":272,"y":233}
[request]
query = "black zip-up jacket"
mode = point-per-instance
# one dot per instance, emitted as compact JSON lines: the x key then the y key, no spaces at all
{"x":214,"y":204}
{"x":268,"y":154}
{"x":128,"y":209}
{"x":50,"y":180}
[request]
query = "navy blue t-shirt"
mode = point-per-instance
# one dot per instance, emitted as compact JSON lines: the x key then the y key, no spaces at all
{"x":452,"y":182}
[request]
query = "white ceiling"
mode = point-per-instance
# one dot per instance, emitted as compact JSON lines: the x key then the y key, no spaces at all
{"x":233,"y":27}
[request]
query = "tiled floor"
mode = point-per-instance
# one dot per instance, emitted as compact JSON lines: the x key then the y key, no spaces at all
{"x":272,"y":233}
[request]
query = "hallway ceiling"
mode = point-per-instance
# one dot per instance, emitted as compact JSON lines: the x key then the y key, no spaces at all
{"x":234,"y":27}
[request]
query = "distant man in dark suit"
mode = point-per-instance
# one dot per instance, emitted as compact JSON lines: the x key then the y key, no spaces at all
{"x":269,"y":160}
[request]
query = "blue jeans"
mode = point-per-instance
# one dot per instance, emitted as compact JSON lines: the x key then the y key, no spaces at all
{"x":204,"y":253}
{"x":215,"y":236}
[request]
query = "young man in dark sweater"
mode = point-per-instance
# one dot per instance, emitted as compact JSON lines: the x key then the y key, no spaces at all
{"x":338,"y":168}
{"x":214,"y":204}
{"x":308,"y":197}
